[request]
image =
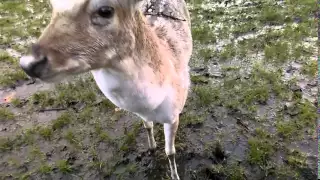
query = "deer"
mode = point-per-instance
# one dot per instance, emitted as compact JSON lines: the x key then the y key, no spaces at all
{"x":138,"y":52}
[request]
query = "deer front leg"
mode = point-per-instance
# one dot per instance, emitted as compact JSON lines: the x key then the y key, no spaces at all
{"x":149,"y":126}
{"x":170,"y":133}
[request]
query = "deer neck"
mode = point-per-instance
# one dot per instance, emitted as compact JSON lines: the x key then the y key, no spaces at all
{"x":148,"y":49}
{"x":148,"y":57}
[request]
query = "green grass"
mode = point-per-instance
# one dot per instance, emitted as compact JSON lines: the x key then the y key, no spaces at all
{"x":13,"y":30}
{"x":287,"y":129}
{"x":257,"y":94}
{"x":228,"y":52}
{"x":64,"y":95}
{"x":130,"y":138}
{"x":261,"y":147}
{"x":72,"y":137}
{"x":260,"y":151}
{"x":271,"y":15}
{"x":203,"y":34}
{"x":6,"y":57}
{"x":62,"y":121}
{"x":307,"y":115}
{"x":46,"y":132}
{"x":277,"y":53}
{"x":297,"y":159}
{"x":12,"y":77}
{"x":191,"y":119}
{"x":206,"y":54}
{"x":6,"y":144}
{"x":45,"y":169}
{"x":36,"y":154}
{"x":206,"y":95}
{"x":198,"y":79}
{"x":6,"y":114}
{"x":63,"y":166}
{"x":310,"y":68}
{"x":246,"y":27}
{"x":42,"y":99}
{"x":253,"y":83}
{"x":16,"y":102}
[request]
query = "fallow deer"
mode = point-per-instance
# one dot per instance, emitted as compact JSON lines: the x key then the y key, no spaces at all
{"x":137,"y":51}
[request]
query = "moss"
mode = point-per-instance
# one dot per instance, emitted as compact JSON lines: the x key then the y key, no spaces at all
{"x":6,"y":114}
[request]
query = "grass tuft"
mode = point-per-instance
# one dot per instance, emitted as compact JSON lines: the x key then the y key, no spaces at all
{"x":6,"y":114}
{"x":62,"y":121}
{"x":63,"y":166}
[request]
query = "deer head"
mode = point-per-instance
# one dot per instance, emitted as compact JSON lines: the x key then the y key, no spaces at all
{"x":83,"y":35}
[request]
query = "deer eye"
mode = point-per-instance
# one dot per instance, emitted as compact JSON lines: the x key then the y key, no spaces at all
{"x":106,"y":11}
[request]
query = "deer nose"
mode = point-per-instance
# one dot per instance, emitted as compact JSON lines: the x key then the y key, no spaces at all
{"x":35,"y":64}
{"x":35,"y":69}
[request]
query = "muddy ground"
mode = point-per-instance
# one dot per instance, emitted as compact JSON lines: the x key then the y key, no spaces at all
{"x":251,"y":112}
